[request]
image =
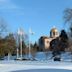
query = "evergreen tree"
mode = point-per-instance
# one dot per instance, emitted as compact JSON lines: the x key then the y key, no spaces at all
{"x":34,"y":51}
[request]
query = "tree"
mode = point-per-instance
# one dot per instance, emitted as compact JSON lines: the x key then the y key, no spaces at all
{"x":2,"y":48}
{"x":3,"y":26}
{"x":59,"y":44}
{"x":63,"y":40}
{"x":10,"y":43}
{"x":34,"y":51}
{"x":54,"y":45}
{"x":24,"y":47}
{"x":68,"y":18}
{"x":41,"y":43}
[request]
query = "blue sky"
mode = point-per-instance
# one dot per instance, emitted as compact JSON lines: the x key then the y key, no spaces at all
{"x":40,"y":15}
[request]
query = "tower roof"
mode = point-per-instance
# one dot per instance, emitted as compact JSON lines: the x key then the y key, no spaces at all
{"x":54,"y":30}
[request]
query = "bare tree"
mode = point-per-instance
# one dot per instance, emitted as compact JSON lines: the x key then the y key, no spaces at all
{"x":68,"y":18}
{"x":3,"y":26}
{"x":69,"y":49}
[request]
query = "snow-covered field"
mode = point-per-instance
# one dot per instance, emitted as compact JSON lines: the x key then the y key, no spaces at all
{"x":35,"y":66}
{"x":41,"y":56}
{"x":44,"y":70}
{"x":41,"y":65}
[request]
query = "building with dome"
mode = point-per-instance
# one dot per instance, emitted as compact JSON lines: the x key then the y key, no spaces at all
{"x":54,"y":33}
{"x":44,"y":41}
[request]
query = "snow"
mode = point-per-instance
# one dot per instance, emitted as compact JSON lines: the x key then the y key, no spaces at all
{"x":21,"y":66}
{"x":66,"y":56}
{"x":40,"y":65}
{"x":44,"y":70}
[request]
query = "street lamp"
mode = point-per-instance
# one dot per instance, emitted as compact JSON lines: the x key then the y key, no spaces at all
{"x":20,"y":33}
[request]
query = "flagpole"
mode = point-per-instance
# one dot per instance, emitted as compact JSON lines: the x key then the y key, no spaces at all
{"x":30,"y":33}
{"x":21,"y":46}
{"x":29,"y":46}
{"x":17,"y":45}
{"x":20,"y":32}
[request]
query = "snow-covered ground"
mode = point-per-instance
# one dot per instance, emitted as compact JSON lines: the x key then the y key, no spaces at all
{"x":44,"y":70}
{"x":35,"y":66}
{"x":41,"y":56}
{"x":41,"y":65}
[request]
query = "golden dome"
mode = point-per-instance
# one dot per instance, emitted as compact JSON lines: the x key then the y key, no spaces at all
{"x":54,"y":30}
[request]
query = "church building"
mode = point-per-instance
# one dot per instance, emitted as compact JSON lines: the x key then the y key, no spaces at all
{"x":44,"y":41}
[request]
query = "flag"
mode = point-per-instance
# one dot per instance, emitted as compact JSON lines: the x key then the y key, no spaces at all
{"x":31,"y":32}
{"x":20,"y":31}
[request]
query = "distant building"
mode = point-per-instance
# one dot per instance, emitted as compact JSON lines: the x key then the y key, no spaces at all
{"x":44,"y":41}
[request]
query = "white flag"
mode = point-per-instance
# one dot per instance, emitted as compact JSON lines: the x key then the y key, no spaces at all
{"x":30,"y":31}
{"x":20,"y":31}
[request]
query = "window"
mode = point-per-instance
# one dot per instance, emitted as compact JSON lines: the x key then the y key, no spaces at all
{"x":54,"y":33}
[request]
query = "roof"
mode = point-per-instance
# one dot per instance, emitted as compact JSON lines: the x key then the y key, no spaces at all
{"x":54,"y":30}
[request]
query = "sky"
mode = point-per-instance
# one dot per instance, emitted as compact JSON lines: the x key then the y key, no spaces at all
{"x":39,"y":15}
